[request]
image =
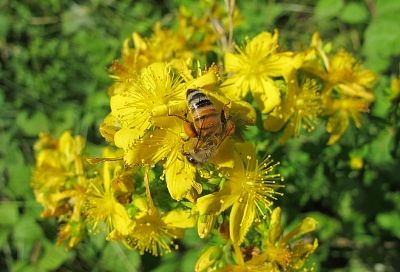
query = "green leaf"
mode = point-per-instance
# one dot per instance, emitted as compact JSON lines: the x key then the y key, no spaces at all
{"x":189,"y":260}
{"x":19,"y":173}
{"x":26,"y":234}
{"x":326,"y":9}
{"x":382,"y":105}
{"x":4,"y":232}
{"x":118,"y":258}
{"x":4,"y":25}
{"x":23,"y":266}
{"x":8,"y":213}
{"x":53,"y":257}
{"x":27,"y":230}
{"x":390,"y":221}
{"x":354,"y":13}
{"x":32,"y":125}
{"x":382,"y":36}
{"x":380,"y":148}
{"x":384,"y":7}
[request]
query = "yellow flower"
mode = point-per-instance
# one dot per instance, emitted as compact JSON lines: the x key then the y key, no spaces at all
{"x":347,"y":87}
{"x":340,"y":111}
{"x":249,"y":190}
{"x":163,"y":45}
{"x":164,"y":144}
{"x":60,"y":184}
{"x":253,"y":68}
{"x":279,"y":248}
{"x":109,"y":127}
{"x":395,"y":90}
{"x":281,"y":252}
{"x":154,"y":232}
{"x":341,"y":71}
{"x":158,"y":91}
{"x":72,"y":232}
{"x":301,"y":108}
{"x":156,"y":86}
{"x":101,"y":204}
{"x":59,"y":168}
{"x":356,"y":162}
{"x":348,"y":75}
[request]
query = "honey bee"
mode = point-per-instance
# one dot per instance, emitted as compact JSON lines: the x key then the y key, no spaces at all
{"x":209,"y":127}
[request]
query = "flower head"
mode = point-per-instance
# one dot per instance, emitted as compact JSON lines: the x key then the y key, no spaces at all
{"x":352,"y":80}
{"x":102,"y":205}
{"x":340,"y":112}
{"x":133,"y":106}
{"x":60,"y":183}
{"x":285,"y":250}
{"x":250,"y":190}
{"x":347,"y":87}
{"x":154,"y":232}
{"x":301,"y":108}
{"x":254,"y":67}
{"x":164,"y":144}
{"x":281,"y":252}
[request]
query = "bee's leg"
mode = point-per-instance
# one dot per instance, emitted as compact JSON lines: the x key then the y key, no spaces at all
{"x":225,"y":113}
{"x":228,"y":124}
{"x":188,"y":126}
{"x":230,"y":127}
{"x":189,"y":129}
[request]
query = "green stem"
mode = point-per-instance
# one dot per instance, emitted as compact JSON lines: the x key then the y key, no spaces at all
{"x":238,"y":252}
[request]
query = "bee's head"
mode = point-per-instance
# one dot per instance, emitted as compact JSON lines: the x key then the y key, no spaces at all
{"x":191,"y":157}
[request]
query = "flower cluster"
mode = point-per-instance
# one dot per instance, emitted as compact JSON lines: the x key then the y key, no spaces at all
{"x":145,"y":191}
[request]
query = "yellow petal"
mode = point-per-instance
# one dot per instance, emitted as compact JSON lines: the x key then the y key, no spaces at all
{"x":217,"y":202}
{"x":120,"y":218}
{"x":231,"y":90}
{"x":179,"y":176}
{"x":275,"y":231}
{"x":109,"y":127}
{"x":263,"y":44}
{"x":208,"y":259}
{"x":179,"y":219}
{"x":206,"y":80}
{"x":337,"y":125}
{"x":124,"y":109}
{"x":282,"y":64}
{"x":267,"y":97}
{"x":232,"y":62}
{"x":125,"y":137}
{"x":224,"y":155}
{"x":153,"y":147}
{"x":243,"y":111}
{"x":241,"y":218}
{"x":308,"y":224}
{"x":138,"y":41}
{"x":141,"y":204}
{"x":274,"y":123}
{"x":205,"y":224}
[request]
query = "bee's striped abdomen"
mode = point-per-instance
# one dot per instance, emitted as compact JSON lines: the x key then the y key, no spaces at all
{"x":206,"y":119}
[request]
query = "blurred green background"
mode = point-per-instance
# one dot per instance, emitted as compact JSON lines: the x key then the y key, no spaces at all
{"x":53,"y":76}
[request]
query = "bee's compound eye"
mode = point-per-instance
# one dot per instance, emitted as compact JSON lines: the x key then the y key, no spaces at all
{"x":190,"y":158}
